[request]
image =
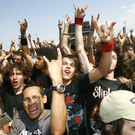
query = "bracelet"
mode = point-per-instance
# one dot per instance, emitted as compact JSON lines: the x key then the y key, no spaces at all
{"x":79,"y":20}
{"x":65,"y":34}
{"x":107,"y":47}
{"x":23,"y":41}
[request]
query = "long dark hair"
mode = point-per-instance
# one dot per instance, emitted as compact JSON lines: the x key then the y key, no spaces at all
{"x":22,"y":66}
{"x":116,"y":127}
{"x":78,"y":69}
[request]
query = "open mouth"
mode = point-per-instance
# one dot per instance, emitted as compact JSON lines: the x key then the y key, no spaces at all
{"x":67,"y":71}
{"x":15,"y":83}
{"x":33,"y":110}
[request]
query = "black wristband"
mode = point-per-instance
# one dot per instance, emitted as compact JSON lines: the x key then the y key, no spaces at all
{"x":23,"y":41}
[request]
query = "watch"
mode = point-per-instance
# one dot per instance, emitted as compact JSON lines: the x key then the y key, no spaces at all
{"x":60,"y":88}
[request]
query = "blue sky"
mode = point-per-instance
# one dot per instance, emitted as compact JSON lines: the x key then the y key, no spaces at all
{"x":43,"y":16}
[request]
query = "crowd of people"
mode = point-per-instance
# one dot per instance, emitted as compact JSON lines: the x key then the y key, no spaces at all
{"x":60,"y":89}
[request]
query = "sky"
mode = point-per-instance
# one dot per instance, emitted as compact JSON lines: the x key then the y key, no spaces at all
{"x":43,"y":15}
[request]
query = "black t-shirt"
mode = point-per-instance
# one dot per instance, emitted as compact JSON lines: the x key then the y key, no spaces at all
{"x":44,"y":81}
{"x":35,"y":73}
{"x":12,"y":102}
{"x":100,"y":89}
{"x":75,"y":103}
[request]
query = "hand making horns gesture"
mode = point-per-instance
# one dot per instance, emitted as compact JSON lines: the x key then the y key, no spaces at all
{"x":23,"y":25}
{"x":80,"y":12}
{"x":105,"y":31}
{"x":54,"y":66}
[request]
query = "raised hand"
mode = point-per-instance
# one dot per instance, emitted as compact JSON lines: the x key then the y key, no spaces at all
{"x":60,"y":24}
{"x":105,"y":31}
{"x":80,"y":12}
{"x":12,"y":43}
{"x":45,"y":42}
{"x":85,"y":37}
{"x":54,"y":67}
{"x":121,"y":38}
{"x":1,"y":43}
{"x":68,"y":20}
{"x":23,"y":25}
{"x":41,"y":43}
{"x":34,"y":41}
{"x":95,"y":19}
{"x":29,"y":36}
{"x":131,"y":31}
{"x":19,"y":45}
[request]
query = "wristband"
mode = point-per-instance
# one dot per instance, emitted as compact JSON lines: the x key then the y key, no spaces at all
{"x":107,"y":47}
{"x":65,"y":34}
{"x":23,"y":35}
{"x":23,"y":41}
{"x":79,"y":20}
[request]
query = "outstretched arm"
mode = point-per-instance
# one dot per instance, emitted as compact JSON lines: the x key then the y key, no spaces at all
{"x":31,"y":44}
{"x":121,"y":40}
{"x":106,"y":34}
{"x":129,"y":41}
{"x":131,"y":36}
{"x":91,"y":56}
{"x":64,"y":46}
{"x":60,"y":26}
{"x":11,"y":47}
{"x":58,"y":107}
{"x":79,"y":15}
{"x":25,"y":49}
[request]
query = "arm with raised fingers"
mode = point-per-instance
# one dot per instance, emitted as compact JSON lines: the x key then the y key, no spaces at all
{"x":24,"y":44}
{"x":58,"y":102}
{"x":80,"y":13}
{"x":64,"y":45}
{"x":91,"y":56}
{"x":106,"y":34}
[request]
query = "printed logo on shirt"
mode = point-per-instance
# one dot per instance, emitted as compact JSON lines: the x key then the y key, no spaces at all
{"x":74,"y":112}
{"x":14,"y":111}
{"x":36,"y":132}
{"x":132,"y":100}
{"x":68,"y":100}
{"x":95,"y":118}
{"x":41,"y":83}
{"x":100,"y":93}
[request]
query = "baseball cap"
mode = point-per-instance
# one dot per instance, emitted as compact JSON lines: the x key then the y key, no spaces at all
{"x":116,"y":105}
